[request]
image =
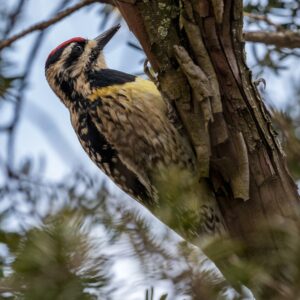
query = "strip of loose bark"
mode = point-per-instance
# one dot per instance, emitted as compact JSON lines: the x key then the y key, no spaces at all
{"x":283,"y":39}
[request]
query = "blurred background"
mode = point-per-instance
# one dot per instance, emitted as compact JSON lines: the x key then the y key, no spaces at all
{"x":64,"y":227}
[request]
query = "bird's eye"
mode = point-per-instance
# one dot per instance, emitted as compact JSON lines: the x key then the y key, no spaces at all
{"x":78,"y":48}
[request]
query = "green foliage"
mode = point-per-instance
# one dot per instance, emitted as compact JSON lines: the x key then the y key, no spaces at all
{"x":55,"y":262}
{"x":179,"y":205}
{"x":276,"y":276}
{"x":7,"y":83}
{"x":56,"y":252}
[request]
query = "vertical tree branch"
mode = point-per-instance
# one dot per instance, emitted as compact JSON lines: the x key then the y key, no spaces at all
{"x":246,"y":161}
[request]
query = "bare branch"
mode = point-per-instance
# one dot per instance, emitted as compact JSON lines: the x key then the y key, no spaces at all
{"x":43,"y":25}
{"x":264,"y":19}
{"x":13,"y":18}
{"x":282,"y":39}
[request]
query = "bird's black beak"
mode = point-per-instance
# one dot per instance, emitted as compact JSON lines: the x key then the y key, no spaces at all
{"x":106,"y":36}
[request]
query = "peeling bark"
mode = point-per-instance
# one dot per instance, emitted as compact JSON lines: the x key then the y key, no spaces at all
{"x":231,"y":133}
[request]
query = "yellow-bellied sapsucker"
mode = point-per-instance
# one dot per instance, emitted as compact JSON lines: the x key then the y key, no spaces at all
{"x":121,"y":120}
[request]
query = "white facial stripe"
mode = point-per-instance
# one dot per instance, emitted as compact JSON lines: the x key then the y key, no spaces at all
{"x":78,"y":67}
{"x":82,"y":85}
{"x":101,"y":64}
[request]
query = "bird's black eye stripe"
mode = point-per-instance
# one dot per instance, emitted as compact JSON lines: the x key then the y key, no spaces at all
{"x":76,"y":52}
{"x":54,"y":57}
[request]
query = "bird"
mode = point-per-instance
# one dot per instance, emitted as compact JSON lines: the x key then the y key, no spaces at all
{"x":122,"y":122}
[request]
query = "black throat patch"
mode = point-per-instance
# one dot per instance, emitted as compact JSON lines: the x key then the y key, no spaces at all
{"x":108,"y":77}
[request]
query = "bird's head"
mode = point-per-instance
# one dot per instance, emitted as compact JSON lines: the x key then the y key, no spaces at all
{"x":75,"y":57}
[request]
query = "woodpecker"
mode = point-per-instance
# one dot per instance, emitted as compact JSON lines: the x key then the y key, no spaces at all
{"x":121,"y":120}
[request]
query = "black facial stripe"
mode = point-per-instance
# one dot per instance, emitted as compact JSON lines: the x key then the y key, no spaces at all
{"x":94,"y":54}
{"x":77,"y":50}
{"x":67,"y":87}
{"x":54,"y":57}
{"x":108,"y":77}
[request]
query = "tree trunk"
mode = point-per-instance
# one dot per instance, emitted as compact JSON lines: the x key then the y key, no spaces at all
{"x":227,"y":123}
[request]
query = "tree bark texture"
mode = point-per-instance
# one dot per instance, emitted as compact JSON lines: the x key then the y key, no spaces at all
{"x":197,"y":49}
